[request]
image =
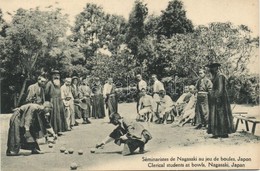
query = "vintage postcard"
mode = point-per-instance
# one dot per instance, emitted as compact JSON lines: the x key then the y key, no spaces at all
{"x":129,"y":85}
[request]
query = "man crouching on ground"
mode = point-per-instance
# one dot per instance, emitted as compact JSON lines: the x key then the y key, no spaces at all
{"x":28,"y":123}
{"x":131,"y":134}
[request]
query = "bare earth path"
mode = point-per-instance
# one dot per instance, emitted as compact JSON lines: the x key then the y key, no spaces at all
{"x":170,"y":143}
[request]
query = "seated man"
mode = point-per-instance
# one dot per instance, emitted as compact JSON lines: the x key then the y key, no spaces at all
{"x":131,"y":134}
{"x":183,"y":100}
{"x":166,"y":107}
{"x":188,"y":113}
{"x":28,"y":123}
{"x":145,"y":109}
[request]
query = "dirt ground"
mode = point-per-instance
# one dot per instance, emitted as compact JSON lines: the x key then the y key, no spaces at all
{"x":168,"y":142}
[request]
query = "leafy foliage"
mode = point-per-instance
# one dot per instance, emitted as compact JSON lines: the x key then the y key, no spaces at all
{"x":173,"y":20}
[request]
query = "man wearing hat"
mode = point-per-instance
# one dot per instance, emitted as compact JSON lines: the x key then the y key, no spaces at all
{"x":28,"y":123}
{"x":220,"y":122}
{"x":85,"y":97}
{"x":68,"y":101}
{"x":53,"y":94}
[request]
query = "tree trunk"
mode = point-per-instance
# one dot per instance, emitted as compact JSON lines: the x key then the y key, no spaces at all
{"x":21,"y":92}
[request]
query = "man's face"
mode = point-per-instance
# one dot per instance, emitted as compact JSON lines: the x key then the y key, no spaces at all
{"x":153,"y":78}
{"x":192,"y":90}
{"x":162,"y":94}
{"x":67,"y":83}
{"x":143,"y":93}
{"x":139,"y":78}
{"x":41,"y":82}
{"x":201,"y":74}
{"x":213,"y":69}
{"x":56,"y":76}
{"x":75,"y":81}
{"x":186,"y":89}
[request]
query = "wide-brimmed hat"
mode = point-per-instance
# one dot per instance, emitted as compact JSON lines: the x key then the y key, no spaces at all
{"x":55,"y":72}
{"x":74,"y":77}
{"x":213,"y":65}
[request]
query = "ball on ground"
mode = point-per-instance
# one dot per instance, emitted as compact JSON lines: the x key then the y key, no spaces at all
{"x":66,"y":152}
{"x":73,"y":166}
{"x":71,"y":151}
{"x":50,"y":145}
{"x":80,"y":152}
{"x":62,"y":149}
{"x":92,"y":150}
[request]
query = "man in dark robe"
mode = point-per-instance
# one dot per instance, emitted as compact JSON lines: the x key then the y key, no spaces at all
{"x":203,"y":86}
{"x":75,"y":93}
{"x":28,"y":123}
{"x":53,"y":94}
{"x":220,"y":122}
{"x":131,"y":134}
{"x":98,"y":109}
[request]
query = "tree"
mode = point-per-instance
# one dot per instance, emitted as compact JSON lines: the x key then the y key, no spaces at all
{"x":87,"y":30}
{"x":136,"y":28}
{"x":173,"y":20}
{"x":31,"y":36}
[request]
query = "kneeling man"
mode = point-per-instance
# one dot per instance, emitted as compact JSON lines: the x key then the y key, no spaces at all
{"x":131,"y":134}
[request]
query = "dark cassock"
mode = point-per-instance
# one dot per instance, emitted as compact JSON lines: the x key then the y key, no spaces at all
{"x":75,"y":93}
{"x":203,"y":86}
{"x":220,"y":122}
{"x":57,"y":115}
{"x":98,"y":109}
{"x":27,"y":124}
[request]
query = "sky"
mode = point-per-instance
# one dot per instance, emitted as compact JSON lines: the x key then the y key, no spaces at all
{"x":201,"y":12}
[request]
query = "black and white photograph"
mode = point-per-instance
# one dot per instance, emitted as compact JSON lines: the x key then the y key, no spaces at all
{"x":129,"y":85}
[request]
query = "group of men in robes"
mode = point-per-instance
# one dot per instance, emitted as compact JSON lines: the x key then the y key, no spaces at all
{"x":206,"y":104}
{"x":55,"y":107}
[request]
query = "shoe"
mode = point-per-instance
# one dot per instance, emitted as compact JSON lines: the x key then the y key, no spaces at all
{"x":84,"y":122}
{"x":35,"y":151}
{"x":214,"y":136}
{"x":198,"y":127}
{"x":9,"y":153}
{"x":141,"y":149}
{"x":224,"y":136}
{"x":59,"y":134}
{"x":76,"y":124}
{"x":88,"y":122}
